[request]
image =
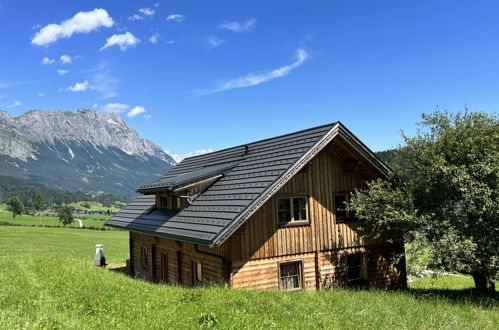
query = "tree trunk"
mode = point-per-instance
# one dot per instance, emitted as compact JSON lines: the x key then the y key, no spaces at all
{"x":484,"y":284}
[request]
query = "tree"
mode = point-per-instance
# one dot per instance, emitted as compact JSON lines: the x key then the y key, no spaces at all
{"x":446,"y":195}
{"x":39,"y":201}
{"x":65,"y":214}
{"x":15,"y":205}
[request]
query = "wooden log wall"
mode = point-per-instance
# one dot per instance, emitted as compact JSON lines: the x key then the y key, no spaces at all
{"x":254,"y":252}
{"x":261,"y":237}
{"x":178,"y":254}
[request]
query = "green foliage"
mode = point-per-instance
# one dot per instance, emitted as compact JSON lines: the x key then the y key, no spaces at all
{"x":48,"y":281}
{"x":39,"y":201}
{"x":208,"y":320}
{"x":28,"y":191}
{"x":446,"y":194}
{"x":65,"y":215}
{"x":15,"y":205}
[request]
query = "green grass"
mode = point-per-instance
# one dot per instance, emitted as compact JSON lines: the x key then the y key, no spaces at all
{"x":47,"y":281}
{"x":95,"y":206}
{"x":89,"y":220}
{"x":62,"y":243}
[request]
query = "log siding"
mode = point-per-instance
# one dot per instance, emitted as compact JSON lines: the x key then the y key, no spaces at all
{"x":250,"y":258}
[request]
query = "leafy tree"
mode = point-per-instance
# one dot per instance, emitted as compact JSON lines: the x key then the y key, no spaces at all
{"x":446,"y":195}
{"x":65,"y":214}
{"x":39,"y":201}
{"x":15,"y":205}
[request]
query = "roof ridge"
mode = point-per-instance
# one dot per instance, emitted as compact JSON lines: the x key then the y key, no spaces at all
{"x":258,"y":141}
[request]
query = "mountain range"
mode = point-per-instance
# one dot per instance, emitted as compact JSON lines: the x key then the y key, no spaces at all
{"x":79,"y":150}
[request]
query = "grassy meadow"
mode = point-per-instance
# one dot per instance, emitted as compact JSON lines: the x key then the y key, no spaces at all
{"x":89,"y":220}
{"x":48,"y":281}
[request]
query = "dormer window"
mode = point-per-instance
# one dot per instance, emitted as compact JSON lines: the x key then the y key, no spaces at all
{"x":168,"y":202}
{"x":177,"y":203}
{"x":162,"y":202}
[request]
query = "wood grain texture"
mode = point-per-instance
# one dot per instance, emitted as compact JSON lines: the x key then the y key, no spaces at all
{"x":249,"y":259}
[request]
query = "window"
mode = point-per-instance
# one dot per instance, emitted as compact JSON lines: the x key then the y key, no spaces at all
{"x":354,"y":267}
{"x":144,"y":252}
{"x":162,"y":202}
{"x":197,"y":272}
{"x":164,"y":267}
{"x":292,"y":209}
{"x":177,"y":203}
{"x":290,"y":276}
{"x":340,"y":208}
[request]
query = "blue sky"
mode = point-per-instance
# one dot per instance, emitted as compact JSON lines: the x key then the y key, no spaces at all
{"x":197,"y":75}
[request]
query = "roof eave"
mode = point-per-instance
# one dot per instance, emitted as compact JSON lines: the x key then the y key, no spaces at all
{"x":155,"y":233}
{"x":337,"y":129}
{"x":272,"y":189}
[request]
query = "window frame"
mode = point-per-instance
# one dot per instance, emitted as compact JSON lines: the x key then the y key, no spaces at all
{"x":349,"y":216}
{"x":164,"y":259}
{"x":180,"y":205}
{"x":301,"y":284}
{"x":197,"y":272}
{"x":162,"y":202}
{"x":362,"y":266}
{"x":144,"y":257}
{"x":292,"y":222}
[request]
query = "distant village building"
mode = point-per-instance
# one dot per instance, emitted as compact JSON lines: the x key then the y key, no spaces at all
{"x":265,"y":215}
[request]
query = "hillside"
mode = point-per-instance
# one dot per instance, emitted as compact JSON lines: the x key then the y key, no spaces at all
{"x":48,"y":282}
{"x":26,"y":190}
{"x":81,"y":150}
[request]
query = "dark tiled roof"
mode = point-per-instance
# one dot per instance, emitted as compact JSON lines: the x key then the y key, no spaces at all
{"x":249,"y":176}
{"x":174,"y":182}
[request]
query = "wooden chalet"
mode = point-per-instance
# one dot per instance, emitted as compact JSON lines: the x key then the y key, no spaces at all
{"x":265,"y":215}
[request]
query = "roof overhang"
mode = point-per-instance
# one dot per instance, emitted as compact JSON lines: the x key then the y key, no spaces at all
{"x":337,"y":130}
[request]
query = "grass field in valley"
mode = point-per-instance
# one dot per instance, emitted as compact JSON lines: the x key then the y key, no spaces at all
{"x":89,"y":220}
{"x":47,"y":281}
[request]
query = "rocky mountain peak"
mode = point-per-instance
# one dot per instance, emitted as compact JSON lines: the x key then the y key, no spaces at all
{"x":83,"y":125}
{"x":79,"y":150}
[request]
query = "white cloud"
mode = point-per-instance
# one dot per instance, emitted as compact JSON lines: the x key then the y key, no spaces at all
{"x":147,"y":117}
{"x":47,"y":60}
{"x":78,"y":87}
{"x":13,"y":105}
{"x":214,"y":41}
{"x":135,"y":17}
{"x":137,"y":110}
{"x":246,"y":26}
{"x":154,"y":38}
{"x":175,"y":17}
{"x":115,"y":107}
{"x":65,"y":59}
{"x":124,"y":41}
{"x":103,"y":81}
{"x":254,"y":79}
{"x":62,"y":72}
{"x":170,"y":42}
{"x":40,"y":94}
{"x":146,"y":11}
{"x":82,"y":22}
{"x":179,"y":157}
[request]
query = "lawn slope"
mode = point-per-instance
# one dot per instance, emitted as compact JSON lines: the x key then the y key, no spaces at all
{"x":49,"y":282}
